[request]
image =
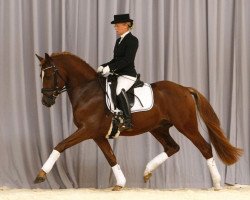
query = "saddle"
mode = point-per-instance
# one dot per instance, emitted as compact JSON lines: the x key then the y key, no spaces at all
{"x":130,"y":93}
{"x":140,"y":97}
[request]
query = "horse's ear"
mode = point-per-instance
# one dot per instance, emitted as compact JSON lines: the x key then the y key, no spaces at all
{"x":39,"y":57}
{"x":47,"y":58}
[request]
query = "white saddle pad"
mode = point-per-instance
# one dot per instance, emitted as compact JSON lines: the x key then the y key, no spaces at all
{"x":145,"y":94}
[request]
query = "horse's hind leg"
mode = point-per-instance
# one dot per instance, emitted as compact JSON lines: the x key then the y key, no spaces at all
{"x":170,"y":147}
{"x":108,"y":153}
{"x":206,"y":149}
{"x":190,"y":130}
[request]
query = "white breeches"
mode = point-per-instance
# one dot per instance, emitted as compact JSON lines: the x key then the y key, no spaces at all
{"x":124,"y":82}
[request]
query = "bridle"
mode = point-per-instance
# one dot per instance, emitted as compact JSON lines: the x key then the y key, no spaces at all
{"x":56,"y":90}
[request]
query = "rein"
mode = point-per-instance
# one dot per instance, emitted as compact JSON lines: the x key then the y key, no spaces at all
{"x":99,"y":77}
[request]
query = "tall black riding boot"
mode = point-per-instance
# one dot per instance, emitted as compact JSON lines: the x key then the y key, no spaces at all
{"x":125,"y":107}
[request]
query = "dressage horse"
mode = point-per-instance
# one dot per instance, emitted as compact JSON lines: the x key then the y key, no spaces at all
{"x":174,"y":105}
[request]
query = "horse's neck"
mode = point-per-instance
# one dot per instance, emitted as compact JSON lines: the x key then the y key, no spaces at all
{"x":77,"y":71}
{"x":78,"y":74}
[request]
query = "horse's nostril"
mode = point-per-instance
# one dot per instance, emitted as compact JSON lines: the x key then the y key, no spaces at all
{"x":43,"y":102}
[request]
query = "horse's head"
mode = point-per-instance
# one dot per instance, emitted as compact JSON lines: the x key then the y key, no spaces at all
{"x":53,"y":82}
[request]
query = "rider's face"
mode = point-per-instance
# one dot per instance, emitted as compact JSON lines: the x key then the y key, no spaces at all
{"x":121,"y":28}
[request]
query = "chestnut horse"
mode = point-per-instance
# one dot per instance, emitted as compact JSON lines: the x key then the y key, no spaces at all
{"x":174,"y":105}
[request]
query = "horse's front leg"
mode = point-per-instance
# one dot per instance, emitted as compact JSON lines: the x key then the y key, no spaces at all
{"x":73,"y":139}
{"x":109,"y":154}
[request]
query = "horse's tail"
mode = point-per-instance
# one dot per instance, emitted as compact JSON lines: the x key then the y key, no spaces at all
{"x":227,"y":153}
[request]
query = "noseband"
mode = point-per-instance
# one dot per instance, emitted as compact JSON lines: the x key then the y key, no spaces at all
{"x":55,"y":90}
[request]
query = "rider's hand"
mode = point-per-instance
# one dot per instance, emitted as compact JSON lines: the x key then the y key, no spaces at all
{"x":106,"y":71}
{"x":99,"y":69}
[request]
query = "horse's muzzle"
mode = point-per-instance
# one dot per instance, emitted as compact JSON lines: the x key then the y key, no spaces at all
{"x":48,"y":102}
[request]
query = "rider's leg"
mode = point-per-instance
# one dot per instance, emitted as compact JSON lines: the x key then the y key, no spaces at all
{"x":123,"y":85}
{"x":125,"y":107}
{"x":124,"y":82}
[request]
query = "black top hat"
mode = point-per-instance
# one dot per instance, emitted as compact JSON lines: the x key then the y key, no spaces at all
{"x":121,"y":18}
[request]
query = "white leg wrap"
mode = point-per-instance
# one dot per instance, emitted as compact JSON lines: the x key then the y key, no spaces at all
{"x":51,"y":161}
{"x":153,"y":164}
{"x":120,"y":178}
{"x":214,"y":173}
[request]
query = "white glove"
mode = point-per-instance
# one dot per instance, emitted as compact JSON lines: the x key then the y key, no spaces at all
{"x":99,"y":69}
{"x":106,"y":71}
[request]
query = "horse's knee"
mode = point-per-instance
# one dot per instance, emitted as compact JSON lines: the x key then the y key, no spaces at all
{"x":171,"y":151}
{"x":60,"y":147}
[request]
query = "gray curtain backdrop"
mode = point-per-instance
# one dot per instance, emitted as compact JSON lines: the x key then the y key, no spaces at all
{"x":200,"y":43}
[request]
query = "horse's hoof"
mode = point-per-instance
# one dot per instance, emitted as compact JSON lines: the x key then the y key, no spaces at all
{"x":41,"y":177}
{"x":117,"y":188}
{"x":147,"y":177}
{"x":218,"y":188}
{"x":39,"y":180}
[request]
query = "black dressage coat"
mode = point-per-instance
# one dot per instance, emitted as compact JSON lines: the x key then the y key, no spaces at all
{"x":124,"y":56}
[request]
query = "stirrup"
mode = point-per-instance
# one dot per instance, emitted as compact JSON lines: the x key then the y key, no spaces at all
{"x":127,"y":126}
